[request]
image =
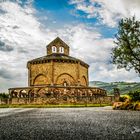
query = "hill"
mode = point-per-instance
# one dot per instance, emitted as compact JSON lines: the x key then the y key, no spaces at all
{"x":124,"y":87}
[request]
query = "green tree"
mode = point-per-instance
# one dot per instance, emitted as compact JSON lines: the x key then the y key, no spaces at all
{"x":4,"y":95}
{"x":126,"y":54}
{"x":135,"y":96}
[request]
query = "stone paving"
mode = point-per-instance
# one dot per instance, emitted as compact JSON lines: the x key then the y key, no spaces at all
{"x":99,"y":123}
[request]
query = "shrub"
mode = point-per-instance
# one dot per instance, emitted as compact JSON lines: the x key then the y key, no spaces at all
{"x":135,"y":96}
{"x":122,"y":98}
{"x":4,"y":95}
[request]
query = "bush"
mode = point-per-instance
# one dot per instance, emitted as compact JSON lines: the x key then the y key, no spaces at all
{"x":4,"y":95}
{"x":123,"y":99}
{"x":135,"y":96}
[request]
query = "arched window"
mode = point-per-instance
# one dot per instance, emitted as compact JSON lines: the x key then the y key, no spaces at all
{"x":54,"y":50}
{"x":61,"y":50}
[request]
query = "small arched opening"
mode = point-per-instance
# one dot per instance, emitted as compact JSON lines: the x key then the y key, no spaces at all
{"x":54,"y":49}
{"x":31,"y":93}
{"x":22,"y":94}
{"x":61,"y":50}
{"x":14,"y":93}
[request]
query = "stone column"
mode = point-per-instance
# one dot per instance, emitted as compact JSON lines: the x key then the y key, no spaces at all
{"x":29,"y":74}
{"x":78,"y":73}
{"x":87,"y":78}
{"x":116,"y":94}
{"x":52,"y":73}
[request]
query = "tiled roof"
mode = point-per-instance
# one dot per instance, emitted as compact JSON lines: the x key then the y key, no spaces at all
{"x":58,"y":40}
{"x":57,"y":57}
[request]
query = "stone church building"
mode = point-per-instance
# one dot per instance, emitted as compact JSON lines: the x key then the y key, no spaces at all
{"x":58,"y":78}
{"x":57,"y":67}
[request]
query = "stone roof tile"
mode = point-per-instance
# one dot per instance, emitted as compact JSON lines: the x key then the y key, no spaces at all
{"x":57,"y":57}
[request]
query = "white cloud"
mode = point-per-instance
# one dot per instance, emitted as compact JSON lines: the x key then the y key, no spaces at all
{"x":76,"y":1}
{"x":88,"y":45}
{"x":23,"y":37}
{"x":109,"y":11}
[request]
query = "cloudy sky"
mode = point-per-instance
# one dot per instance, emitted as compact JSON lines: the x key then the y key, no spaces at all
{"x":87,"y":26}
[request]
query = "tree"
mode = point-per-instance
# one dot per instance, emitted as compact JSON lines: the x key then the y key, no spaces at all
{"x":126,"y":54}
{"x":135,"y":96}
{"x":4,"y":95}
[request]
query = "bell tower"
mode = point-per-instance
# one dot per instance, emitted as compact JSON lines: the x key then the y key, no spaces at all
{"x":57,"y":46}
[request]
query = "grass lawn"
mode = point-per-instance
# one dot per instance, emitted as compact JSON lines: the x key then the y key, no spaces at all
{"x":51,"y":105}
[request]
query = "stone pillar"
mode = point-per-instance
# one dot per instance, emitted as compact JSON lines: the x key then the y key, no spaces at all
{"x":116,"y":94}
{"x":87,"y":78}
{"x":29,"y":74}
{"x":52,"y":73}
{"x":78,"y":73}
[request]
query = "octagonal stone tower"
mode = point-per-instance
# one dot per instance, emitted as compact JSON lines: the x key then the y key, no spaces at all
{"x":57,"y":67}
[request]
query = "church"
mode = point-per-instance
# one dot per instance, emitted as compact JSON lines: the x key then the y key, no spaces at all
{"x":57,"y":67}
{"x":57,"y":78}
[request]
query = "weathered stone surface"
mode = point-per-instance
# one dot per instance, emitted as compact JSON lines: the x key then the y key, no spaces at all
{"x":126,"y":105}
{"x":63,"y":100}
{"x":58,"y":43}
{"x":57,"y":68}
{"x":117,"y":105}
{"x":59,"y":76}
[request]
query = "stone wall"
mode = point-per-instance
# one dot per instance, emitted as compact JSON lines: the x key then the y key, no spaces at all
{"x":60,"y":95}
{"x":42,"y":70}
{"x":83,"y":75}
{"x":61,"y":100}
{"x":57,"y":43}
{"x":57,"y":72}
{"x":65,"y":72}
{"x":4,"y":101}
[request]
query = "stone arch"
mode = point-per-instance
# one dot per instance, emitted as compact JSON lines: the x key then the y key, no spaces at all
{"x":22,"y":93}
{"x":83,"y":81}
{"x":65,"y":78}
{"x":14,"y":93}
{"x":40,"y":79}
{"x":41,"y":92}
{"x":31,"y":93}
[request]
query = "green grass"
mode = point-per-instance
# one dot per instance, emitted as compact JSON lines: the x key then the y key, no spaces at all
{"x":124,"y":87}
{"x":53,"y":106}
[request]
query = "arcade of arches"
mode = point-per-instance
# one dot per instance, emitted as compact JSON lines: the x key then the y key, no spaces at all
{"x":56,"y":74}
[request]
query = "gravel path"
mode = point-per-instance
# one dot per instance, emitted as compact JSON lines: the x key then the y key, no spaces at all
{"x":69,"y":124}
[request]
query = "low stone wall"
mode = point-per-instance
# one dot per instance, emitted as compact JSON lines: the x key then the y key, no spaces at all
{"x":43,"y":91}
{"x":4,"y":101}
{"x":61,"y":100}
